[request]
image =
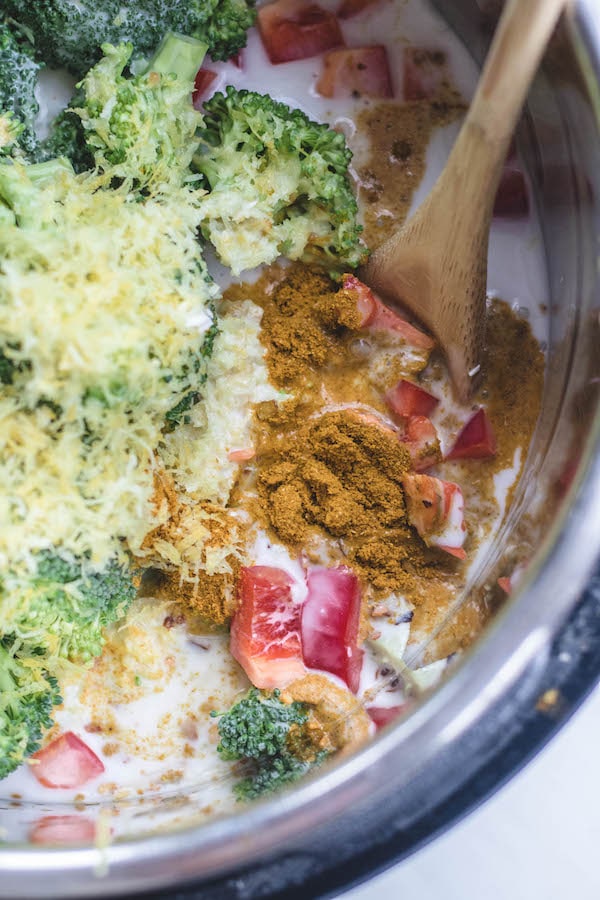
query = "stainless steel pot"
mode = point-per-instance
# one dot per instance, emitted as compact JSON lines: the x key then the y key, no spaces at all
{"x":413,"y":779}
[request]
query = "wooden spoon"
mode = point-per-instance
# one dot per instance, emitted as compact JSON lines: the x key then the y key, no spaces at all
{"x":436,"y":264}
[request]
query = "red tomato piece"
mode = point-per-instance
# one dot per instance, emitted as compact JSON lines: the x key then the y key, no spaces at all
{"x":265,"y":630}
{"x":66,"y":762}
{"x":383,"y":715}
{"x":512,"y":197}
{"x":421,"y":439}
{"x":204,"y":79}
{"x":351,"y":8}
{"x":241,"y":455}
{"x":425,"y":71}
{"x":358,"y":72}
{"x":476,"y":440}
{"x":61,"y":830}
{"x":294,"y":29}
{"x":408,"y":399}
{"x":382,"y":318}
{"x":366,"y":303}
{"x":330,"y":624}
{"x":505,"y":584}
{"x":435,"y":508}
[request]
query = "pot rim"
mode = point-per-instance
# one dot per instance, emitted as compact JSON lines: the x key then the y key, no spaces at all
{"x":519,"y":637}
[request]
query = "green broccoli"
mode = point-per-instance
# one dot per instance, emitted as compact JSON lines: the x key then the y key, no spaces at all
{"x":65,"y":607}
{"x":69,"y":34}
{"x":27,"y":695}
{"x":11,"y":130}
{"x":18,"y":79}
{"x":142,"y":129}
{"x":67,"y":140}
{"x":279,"y":185}
{"x":271,"y":738}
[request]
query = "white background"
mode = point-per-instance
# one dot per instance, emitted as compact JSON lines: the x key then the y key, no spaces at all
{"x":537,"y":839}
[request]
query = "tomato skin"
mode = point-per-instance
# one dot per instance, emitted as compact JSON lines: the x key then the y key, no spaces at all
{"x":383,"y":715}
{"x":265,"y":629}
{"x":425,"y":71}
{"x":244,"y":454}
{"x":204,"y":79}
{"x":382,"y":318}
{"x":408,"y":399}
{"x":66,"y":762}
{"x":435,"y":508}
{"x":366,"y":303}
{"x":356,"y":72}
{"x":512,"y":197}
{"x":476,"y":440}
{"x":294,"y":29}
{"x":330,"y":624}
{"x":62,"y":830}
{"x":421,"y":440}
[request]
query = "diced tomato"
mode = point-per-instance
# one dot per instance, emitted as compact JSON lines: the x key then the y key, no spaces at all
{"x":294,"y":29}
{"x":265,"y":630}
{"x":408,"y":399}
{"x":366,"y":303}
{"x":387,"y":320}
{"x":512,"y":197}
{"x":242,"y":455}
{"x":330,"y":624}
{"x":435,"y":509}
{"x":61,"y":830}
{"x":351,"y":8}
{"x":421,"y":439}
{"x":382,"y":318}
{"x":383,"y":715}
{"x":375,"y":420}
{"x":569,"y":471}
{"x":476,"y":440}
{"x":505,"y":584}
{"x":66,"y":762}
{"x":458,"y":552}
{"x":358,"y":72}
{"x":204,"y":79}
{"x":425,"y":71}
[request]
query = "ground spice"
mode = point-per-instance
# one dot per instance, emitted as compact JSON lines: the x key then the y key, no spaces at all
{"x":209,"y":598}
{"x":341,"y":475}
{"x":399,"y":135}
{"x":305,"y":319}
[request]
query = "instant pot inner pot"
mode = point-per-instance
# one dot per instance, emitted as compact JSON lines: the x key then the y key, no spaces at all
{"x":553,"y":528}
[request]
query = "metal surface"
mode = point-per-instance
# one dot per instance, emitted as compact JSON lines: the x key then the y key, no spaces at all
{"x":399,"y":783}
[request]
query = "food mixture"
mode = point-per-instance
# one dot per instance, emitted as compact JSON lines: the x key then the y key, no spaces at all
{"x":240,"y":505}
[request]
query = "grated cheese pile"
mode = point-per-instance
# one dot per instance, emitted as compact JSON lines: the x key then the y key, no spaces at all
{"x":105,"y":306}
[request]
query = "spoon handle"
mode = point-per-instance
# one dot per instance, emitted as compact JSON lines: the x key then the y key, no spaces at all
{"x":521,"y":37}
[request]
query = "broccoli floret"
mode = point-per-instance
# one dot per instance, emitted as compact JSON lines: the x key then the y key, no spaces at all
{"x":18,"y":79}
{"x":67,"y":140}
{"x":11,"y":130}
{"x":65,"y":608}
{"x":279,"y":185}
{"x":69,"y":34}
{"x":271,"y":738}
{"x":27,"y":696}
{"x":142,"y":129}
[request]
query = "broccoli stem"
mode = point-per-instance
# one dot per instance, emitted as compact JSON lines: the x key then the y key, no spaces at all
{"x":44,"y":172}
{"x":178,"y":55}
{"x":19,"y":186}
